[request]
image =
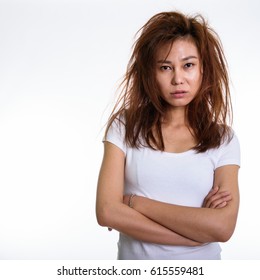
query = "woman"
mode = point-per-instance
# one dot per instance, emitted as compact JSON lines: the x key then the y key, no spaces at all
{"x":169,"y":177}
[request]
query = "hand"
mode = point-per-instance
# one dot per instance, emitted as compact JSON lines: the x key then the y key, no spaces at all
{"x":126,"y":199}
{"x":216,"y":198}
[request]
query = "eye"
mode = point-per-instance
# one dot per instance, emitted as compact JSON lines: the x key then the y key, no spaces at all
{"x":189,"y":65}
{"x":165,"y":67}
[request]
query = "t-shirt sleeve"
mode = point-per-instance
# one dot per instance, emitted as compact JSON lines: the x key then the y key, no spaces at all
{"x":116,"y":135}
{"x":229,"y":153}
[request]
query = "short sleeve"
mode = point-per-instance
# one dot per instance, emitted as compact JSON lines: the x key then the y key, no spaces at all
{"x":116,"y":135}
{"x":229,"y":153}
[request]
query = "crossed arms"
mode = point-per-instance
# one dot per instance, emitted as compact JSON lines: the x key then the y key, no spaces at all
{"x":163,"y":223}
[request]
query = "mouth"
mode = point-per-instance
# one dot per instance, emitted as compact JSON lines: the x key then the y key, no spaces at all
{"x":178,"y":93}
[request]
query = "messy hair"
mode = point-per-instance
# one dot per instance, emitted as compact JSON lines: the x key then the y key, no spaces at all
{"x":140,"y":104}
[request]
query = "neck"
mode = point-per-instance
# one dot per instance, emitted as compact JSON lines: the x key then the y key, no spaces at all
{"x":176,"y":117}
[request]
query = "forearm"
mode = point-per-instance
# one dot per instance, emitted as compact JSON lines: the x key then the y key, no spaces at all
{"x":132,"y":223}
{"x":214,"y":222}
{"x":112,"y":212}
{"x":200,"y":224}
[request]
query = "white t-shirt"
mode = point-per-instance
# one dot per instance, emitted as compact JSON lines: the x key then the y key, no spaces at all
{"x":176,"y":178}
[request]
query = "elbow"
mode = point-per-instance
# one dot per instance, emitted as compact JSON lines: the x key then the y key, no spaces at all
{"x":105,"y":216}
{"x":222,"y":226}
{"x":224,"y":235}
{"x":102,"y":219}
{"x":216,"y":235}
{"x":224,"y":231}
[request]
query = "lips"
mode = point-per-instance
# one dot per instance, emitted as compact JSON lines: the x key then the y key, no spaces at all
{"x":179,"y":93}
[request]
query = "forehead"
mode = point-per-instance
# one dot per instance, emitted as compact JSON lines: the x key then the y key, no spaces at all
{"x":177,"y":49}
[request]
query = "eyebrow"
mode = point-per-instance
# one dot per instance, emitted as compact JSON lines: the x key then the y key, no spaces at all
{"x":183,"y":59}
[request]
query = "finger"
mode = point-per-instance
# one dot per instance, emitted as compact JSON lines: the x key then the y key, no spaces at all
{"x":219,"y":201}
{"x":219,"y":197}
{"x":213,"y":203}
{"x":221,"y":205}
{"x":212,"y":192}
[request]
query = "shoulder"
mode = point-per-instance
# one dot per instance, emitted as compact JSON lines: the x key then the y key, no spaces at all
{"x":228,"y":153}
{"x":230,"y":142}
{"x":115,"y":133}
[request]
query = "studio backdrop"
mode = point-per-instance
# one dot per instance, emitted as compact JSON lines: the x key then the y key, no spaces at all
{"x":60,"y":65}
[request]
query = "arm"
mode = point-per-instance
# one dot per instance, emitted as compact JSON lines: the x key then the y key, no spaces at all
{"x":112,"y":212}
{"x":208,"y":224}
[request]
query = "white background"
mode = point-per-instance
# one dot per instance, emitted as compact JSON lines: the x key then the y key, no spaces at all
{"x":60,"y":64}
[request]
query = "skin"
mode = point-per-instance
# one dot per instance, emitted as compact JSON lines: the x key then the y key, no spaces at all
{"x":179,"y":77}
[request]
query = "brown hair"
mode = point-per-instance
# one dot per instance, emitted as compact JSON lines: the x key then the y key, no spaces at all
{"x":140,"y":104}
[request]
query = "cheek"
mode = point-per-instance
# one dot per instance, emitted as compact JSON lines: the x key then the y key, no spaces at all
{"x":159,"y":84}
{"x":196,"y":79}
{"x":160,"y":81}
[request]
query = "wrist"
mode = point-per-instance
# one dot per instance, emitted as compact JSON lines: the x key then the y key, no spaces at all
{"x":131,"y":200}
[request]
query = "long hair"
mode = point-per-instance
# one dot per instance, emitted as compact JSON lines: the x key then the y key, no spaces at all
{"x":140,"y":105}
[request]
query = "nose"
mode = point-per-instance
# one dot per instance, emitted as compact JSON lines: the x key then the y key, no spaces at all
{"x":177,"y":77}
